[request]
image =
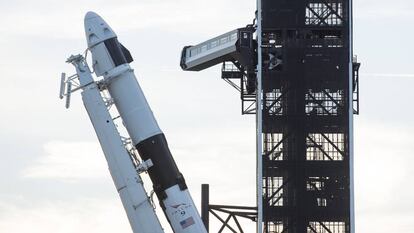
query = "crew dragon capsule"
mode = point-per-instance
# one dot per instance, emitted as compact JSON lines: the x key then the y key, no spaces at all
{"x":111,"y":60}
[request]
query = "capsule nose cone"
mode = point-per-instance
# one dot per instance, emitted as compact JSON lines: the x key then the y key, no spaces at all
{"x":96,"y":29}
{"x":91,"y":15}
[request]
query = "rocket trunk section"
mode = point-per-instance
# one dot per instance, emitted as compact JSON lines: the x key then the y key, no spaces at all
{"x":110,"y":60}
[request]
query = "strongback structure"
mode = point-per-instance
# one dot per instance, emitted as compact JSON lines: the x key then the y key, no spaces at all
{"x":303,"y":89}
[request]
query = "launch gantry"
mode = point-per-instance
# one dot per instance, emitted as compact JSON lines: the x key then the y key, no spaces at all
{"x":302,"y":85}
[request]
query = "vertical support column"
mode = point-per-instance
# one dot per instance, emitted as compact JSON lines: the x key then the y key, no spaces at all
{"x":259,"y":122}
{"x":205,"y":201}
{"x":351,"y":123}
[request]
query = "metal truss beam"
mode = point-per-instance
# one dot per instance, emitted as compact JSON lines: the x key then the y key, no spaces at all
{"x":320,"y":148}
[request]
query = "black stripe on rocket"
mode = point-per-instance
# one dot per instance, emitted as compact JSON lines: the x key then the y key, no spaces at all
{"x":164,"y":172}
{"x":119,"y":54}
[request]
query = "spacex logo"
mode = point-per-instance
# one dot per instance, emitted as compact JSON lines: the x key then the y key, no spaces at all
{"x":179,"y":209}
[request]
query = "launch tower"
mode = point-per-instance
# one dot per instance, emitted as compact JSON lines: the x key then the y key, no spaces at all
{"x":301,"y":81}
{"x":308,"y":96}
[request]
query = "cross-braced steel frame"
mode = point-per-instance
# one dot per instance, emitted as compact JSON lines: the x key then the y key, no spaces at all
{"x":304,"y":98}
{"x":308,"y":84}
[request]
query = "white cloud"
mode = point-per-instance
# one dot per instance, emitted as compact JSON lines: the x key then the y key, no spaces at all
{"x":35,"y":33}
{"x":82,"y":215}
{"x":385,"y":75}
{"x":69,"y":161}
{"x":37,"y":18}
{"x":383,"y":158}
{"x":381,"y":9}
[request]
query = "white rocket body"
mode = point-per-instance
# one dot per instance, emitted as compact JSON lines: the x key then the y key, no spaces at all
{"x":110,"y":59}
{"x":128,"y":183}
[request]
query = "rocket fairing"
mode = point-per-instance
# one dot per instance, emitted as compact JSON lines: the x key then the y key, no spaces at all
{"x":110,"y":60}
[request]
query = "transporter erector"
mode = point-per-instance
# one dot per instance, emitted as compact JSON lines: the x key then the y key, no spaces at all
{"x":119,"y":88}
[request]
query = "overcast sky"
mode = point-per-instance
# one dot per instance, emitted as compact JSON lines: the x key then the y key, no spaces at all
{"x":53,"y":174}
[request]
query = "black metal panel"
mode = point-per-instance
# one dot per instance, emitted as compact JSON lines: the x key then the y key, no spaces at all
{"x":205,"y":200}
{"x":282,"y":13}
{"x":164,"y":172}
{"x":115,"y":50}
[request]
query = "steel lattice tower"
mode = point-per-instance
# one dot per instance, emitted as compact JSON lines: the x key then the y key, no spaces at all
{"x":300,"y":78}
{"x":308,"y":96}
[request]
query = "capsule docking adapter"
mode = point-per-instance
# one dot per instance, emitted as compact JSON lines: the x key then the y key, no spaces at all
{"x":111,"y":60}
